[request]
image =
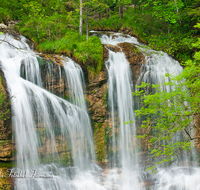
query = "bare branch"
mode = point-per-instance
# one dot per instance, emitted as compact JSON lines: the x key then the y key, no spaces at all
{"x":198,"y":137}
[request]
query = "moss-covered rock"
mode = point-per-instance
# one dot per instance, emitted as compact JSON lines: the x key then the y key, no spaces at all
{"x":5,"y":121}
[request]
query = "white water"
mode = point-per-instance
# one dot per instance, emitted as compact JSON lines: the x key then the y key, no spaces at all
{"x":75,"y":82}
{"x":157,"y":65}
{"x":120,"y":101}
{"x":178,"y":178}
{"x":46,"y":126}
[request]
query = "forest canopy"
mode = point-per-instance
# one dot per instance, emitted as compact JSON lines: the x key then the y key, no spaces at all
{"x":166,"y":25}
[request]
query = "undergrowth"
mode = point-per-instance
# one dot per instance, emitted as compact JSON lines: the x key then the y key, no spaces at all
{"x":72,"y":44}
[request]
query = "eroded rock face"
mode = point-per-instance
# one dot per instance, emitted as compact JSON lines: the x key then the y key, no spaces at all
{"x":5,"y":150}
{"x":135,"y":58}
{"x":97,"y":107}
{"x":51,"y":67}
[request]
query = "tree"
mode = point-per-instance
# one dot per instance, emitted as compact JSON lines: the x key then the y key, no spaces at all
{"x":172,"y":114}
{"x":121,"y":4}
{"x":81,"y":19}
{"x":167,"y":10}
{"x":89,"y":7}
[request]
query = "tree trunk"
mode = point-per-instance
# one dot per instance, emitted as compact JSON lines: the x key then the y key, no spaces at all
{"x":87,"y":32}
{"x":197,"y":131}
{"x":186,"y":3}
{"x":168,"y":30}
{"x":100,"y":15}
{"x":107,"y":10}
{"x":133,"y":2}
{"x":177,"y":11}
{"x":121,"y":11}
{"x":81,"y":19}
{"x":135,"y":6}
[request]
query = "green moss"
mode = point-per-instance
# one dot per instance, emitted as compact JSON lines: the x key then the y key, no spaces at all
{"x":6,"y":164}
{"x":105,"y":97}
{"x":66,"y":159}
{"x":66,"y":97}
{"x":99,"y":137}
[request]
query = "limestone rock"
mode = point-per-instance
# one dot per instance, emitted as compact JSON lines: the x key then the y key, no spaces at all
{"x":3,"y":26}
{"x":5,"y":150}
{"x":135,"y":58}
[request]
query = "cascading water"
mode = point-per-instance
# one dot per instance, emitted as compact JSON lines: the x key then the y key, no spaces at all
{"x":75,"y":80}
{"x":47,"y":129}
{"x":120,"y":101}
{"x":157,"y":65}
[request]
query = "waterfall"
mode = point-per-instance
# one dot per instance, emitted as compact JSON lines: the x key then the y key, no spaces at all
{"x":54,"y":144}
{"x":75,"y":81}
{"x":53,"y":136}
{"x":120,"y":101}
{"x":157,"y":65}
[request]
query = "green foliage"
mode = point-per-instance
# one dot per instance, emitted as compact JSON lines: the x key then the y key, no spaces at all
{"x":168,"y":120}
{"x":11,"y":9}
{"x":165,"y":9}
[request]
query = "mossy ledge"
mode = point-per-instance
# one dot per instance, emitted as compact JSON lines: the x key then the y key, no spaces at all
{"x":88,"y":54}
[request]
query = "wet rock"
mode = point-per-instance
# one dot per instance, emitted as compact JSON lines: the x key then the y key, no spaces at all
{"x":12,"y":23}
{"x":112,"y":48}
{"x":53,"y":58}
{"x":97,"y":107}
{"x":11,"y":32}
{"x":135,"y":58}
{"x":51,"y":67}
